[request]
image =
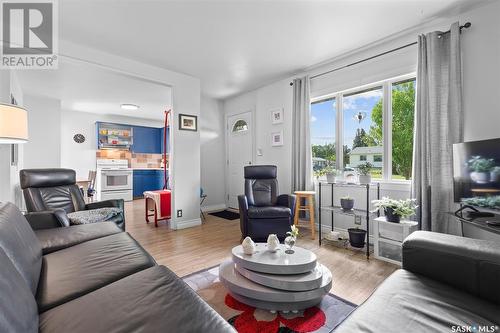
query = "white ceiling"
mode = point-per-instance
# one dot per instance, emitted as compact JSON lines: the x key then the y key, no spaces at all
{"x":234,"y":46}
{"x":88,"y":88}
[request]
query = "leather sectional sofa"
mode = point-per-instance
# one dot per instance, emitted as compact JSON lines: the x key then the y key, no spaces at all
{"x":90,"y":278}
{"x":447,"y":284}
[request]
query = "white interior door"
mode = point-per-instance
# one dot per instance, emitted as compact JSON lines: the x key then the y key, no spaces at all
{"x":239,"y":148}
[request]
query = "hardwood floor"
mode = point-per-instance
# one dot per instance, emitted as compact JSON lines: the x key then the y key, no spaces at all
{"x":189,"y":250}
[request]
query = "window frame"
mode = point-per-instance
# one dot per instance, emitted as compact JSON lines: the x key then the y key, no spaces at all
{"x":386,"y":121}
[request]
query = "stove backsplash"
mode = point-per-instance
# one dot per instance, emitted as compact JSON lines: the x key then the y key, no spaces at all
{"x":135,"y":160}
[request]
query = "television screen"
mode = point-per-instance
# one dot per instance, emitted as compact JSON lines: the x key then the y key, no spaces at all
{"x":476,"y":173}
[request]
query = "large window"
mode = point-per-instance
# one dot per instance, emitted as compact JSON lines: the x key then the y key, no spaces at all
{"x":362,"y":112}
{"x":376,"y":127}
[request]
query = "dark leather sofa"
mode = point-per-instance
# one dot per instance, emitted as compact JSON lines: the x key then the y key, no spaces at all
{"x":52,"y":193}
{"x":90,"y":278}
{"x":447,"y":284}
{"x":262,"y":210}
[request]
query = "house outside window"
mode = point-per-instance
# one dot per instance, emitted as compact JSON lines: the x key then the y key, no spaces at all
{"x":376,"y":126}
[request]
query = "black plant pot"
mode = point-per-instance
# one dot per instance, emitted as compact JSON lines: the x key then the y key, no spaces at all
{"x":357,"y":237}
{"x":390,"y":216}
{"x":347,"y":204}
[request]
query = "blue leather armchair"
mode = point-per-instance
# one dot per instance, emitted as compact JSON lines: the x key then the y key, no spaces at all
{"x":262,"y":210}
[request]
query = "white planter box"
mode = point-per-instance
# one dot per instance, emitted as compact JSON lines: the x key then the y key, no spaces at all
{"x":388,"y":238}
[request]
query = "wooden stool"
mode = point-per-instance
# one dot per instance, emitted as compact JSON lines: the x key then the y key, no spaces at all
{"x":308,"y":196}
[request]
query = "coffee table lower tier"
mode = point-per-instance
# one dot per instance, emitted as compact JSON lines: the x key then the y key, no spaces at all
{"x":263,"y":297}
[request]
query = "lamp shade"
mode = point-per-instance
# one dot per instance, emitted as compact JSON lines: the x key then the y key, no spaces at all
{"x":13,"y":124}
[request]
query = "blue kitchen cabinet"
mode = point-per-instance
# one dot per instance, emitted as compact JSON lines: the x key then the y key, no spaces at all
{"x":162,"y":130}
{"x":146,"y":140}
{"x":147,"y":180}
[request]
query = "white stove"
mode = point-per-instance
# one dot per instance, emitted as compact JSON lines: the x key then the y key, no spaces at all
{"x":114,"y":180}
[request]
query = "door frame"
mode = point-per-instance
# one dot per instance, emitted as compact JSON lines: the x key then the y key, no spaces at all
{"x":226,"y":139}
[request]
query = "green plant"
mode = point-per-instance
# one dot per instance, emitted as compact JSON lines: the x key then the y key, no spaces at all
{"x":481,"y":164}
{"x":365,"y":168}
{"x":319,"y":173}
{"x":402,"y":208}
{"x":331,"y":171}
{"x":487,"y":202}
{"x":294,"y":232}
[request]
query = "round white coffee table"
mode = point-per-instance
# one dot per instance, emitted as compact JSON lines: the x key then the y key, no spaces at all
{"x":276,"y":281}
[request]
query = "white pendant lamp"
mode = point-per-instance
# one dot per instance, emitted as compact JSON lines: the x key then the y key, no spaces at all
{"x":13,"y":124}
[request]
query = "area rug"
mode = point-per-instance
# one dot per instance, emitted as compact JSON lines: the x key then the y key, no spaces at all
{"x":246,"y":319}
{"x":226,"y":214}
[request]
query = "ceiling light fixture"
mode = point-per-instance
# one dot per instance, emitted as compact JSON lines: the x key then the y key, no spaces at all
{"x":130,"y":107}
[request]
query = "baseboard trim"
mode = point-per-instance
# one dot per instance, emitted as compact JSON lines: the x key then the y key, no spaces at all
{"x":212,"y":208}
{"x":188,"y":223}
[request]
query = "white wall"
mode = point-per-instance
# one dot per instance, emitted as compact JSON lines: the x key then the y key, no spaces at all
{"x":481,"y":72}
{"x":43,"y":150}
{"x":212,"y":153}
{"x":81,"y":157}
{"x":262,"y":101}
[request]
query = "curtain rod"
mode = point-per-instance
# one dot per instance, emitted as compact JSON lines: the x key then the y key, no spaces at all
{"x":465,"y":26}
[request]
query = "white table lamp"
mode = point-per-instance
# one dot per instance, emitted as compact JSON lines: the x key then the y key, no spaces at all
{"x":13,"y":124}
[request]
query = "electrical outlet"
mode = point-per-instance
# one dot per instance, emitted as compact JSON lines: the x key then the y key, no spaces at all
{"x":357,"y":219}
{"x":179,"y":212}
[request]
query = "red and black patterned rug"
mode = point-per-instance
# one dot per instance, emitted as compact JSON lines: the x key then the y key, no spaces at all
{"x":246,"y":319}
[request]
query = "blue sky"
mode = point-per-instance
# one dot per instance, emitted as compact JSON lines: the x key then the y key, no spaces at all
{"x":323,"y":117}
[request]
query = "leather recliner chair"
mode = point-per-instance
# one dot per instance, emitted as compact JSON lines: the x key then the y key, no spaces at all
{"x":262,"y":210}
{"x":52,"y":193}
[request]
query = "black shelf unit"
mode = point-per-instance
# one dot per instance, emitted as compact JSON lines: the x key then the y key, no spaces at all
{"x":337,"y":209}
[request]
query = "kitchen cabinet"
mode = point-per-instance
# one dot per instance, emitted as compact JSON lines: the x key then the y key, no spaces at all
{"x":147,"y":140}
{"x":162,"y":130}
{"x":147,"y":180}
{"x":111,"y":135}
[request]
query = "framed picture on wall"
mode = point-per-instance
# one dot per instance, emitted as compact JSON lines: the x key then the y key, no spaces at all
{"x":188,"y":122}
{"x":277,"y":116}
{"x":277,"y":139}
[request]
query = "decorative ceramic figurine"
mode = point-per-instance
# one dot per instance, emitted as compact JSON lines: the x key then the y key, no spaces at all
{"x":273,"y":243}
{"x":248,"y":246}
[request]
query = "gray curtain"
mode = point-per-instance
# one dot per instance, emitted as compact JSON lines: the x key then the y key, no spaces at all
{"x":438,"y":124}
{"x":301,"y":140}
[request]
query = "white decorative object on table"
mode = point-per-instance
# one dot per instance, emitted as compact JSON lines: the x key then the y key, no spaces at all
{"x":273,"y":243}
{"x":248,"y":246}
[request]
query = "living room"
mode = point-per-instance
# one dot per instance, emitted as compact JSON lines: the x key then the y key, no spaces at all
{"x":304,"y":170}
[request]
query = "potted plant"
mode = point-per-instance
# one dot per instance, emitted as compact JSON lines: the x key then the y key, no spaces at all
{"x":395,"y":209}
{"x":319,"y":173}
{"x":480,"y":168}
{"x":357,"y":237}
{"x":347,"y":203}
{"x":330,"y":173}
{"x":364,"y":170}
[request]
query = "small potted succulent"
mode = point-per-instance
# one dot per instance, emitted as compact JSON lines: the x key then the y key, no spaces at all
{"x":331,"y":174}
{"x":357,"y":237}
{"x":480,"y":169}
{"x":347,"y":203}
{"x":364,"y":170}
{"x":395,"y":210}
